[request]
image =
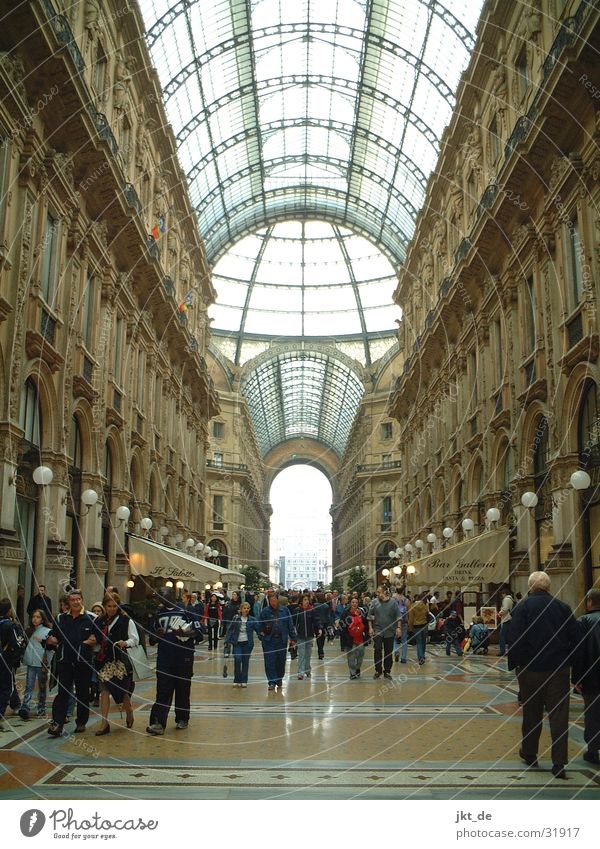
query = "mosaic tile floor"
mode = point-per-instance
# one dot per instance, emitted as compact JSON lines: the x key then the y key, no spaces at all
{"x":446,"y":730}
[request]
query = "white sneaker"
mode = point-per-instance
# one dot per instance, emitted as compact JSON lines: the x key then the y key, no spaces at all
{"x":243,"y":686}
{"x":236,"y":685}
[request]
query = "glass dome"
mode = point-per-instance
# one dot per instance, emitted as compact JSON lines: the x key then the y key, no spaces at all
{"x":299,"y":279}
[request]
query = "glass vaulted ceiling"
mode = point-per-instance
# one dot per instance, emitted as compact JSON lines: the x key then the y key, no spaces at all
{"x":329,"y":109}
{"x":307,"y":130}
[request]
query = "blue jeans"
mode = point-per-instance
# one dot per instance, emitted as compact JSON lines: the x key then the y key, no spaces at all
{"x":420,"y":634}
{"x":403,"y":644}
{"x":304,"y":653}
{"x":275,"y":656}
{"x":39,"y":674}
{"x":453,"y":641}
{"x":241,"y":662}
{"x":502,"y":637}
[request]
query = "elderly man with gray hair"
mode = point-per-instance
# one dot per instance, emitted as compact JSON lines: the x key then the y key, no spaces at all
{"x":586,"y":673}
{"x":543,"y":635}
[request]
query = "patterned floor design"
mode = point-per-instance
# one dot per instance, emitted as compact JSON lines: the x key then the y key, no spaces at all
{"x":447,"y":730}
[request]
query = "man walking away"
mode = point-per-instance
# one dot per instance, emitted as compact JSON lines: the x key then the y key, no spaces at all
{"x":418,"y":624}
{"x":543,"y":634}
{"x":586,"y":673}
{"x":384,"y":624}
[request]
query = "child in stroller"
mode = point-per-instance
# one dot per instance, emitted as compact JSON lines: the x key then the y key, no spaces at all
{"x":480,"y":637}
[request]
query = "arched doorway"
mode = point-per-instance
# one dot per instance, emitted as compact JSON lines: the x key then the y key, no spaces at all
{"x":301,"y":538}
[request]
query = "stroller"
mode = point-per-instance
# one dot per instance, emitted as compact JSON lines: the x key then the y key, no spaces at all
{"x":480,"y":638}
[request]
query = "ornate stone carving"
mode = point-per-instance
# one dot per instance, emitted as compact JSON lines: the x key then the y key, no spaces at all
{"x":13,"y":68}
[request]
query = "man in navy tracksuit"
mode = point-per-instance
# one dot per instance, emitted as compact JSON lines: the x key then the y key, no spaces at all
{"x":176,"y":631}
{"x":275,"y":630}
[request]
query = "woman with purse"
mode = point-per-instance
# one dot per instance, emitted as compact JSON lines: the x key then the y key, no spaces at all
{"x":240,"y":635}
{"x":116,"y":633}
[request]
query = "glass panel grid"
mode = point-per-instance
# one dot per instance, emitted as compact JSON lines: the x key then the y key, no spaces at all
{"x":333,"y":74}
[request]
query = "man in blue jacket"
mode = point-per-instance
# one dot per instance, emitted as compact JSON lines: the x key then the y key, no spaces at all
{"x":176,"y":631}
{"x":586,"y":674}
{"x":543,"y":633}
{"x":276,"y":630}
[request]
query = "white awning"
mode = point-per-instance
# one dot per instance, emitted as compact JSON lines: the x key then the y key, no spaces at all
{"x":480,"y":559}
{"x":152,"y":559}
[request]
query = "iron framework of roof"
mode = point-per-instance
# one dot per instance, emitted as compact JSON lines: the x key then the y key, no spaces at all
{"x":302,"y":110}
{"x":302,"y":394}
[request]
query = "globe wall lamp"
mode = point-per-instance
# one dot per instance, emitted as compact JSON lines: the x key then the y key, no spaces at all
{"x":529,"y":500}
{"x":178,"y":539}
{"x":408,"y":548}
{"x":43,"y":475}
{"x":89,"y":497}
{"x":219,"y":585}
{"x":163,"y":532}
{"x":431,"y":539}
{"x":397,"y":570}
{"x":448,"y":533}
{"x":169,"y":584}
{"x":411,"y":570}
{"x":468,"y":525}
{"x":130,"y":584}
{"x":580,"y":480}
{"x":385,"y":572}
{"x":146,"y":524}
{"x":419,"y":544}
{"x":179,"y":585}
{"x":190,"y":543}
{"x":123,"y":513}
{"x":493,"y":515}
{"x":207,"y":586}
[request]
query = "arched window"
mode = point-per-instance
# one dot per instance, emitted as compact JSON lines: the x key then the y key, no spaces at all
{"x":29,"y":414}
{"x":540,"y":448}
{"x":588,"y":433}
{"x":219,"y":545}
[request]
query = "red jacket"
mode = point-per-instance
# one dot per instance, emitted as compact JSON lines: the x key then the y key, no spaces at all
{"x":207,"y":611}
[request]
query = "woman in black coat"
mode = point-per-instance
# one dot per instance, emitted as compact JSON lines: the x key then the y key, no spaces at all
{"x":116,"y":632}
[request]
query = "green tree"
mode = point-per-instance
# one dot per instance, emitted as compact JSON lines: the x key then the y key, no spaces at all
{"x":252,"y":577}
{"x":357,"y":580}
{"x":337,"y":585}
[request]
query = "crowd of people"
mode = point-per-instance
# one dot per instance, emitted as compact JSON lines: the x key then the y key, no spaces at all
{"x":90,"y":655}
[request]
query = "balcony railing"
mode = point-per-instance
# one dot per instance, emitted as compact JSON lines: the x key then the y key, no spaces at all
{"x":379,"y":467}
{"x":131,"y":196}
{"x":227,"y":467}
{"x":152,"y":247}
{"x":566,"y":35}
{"x":103,"y":129}
{"x":64,"y":34}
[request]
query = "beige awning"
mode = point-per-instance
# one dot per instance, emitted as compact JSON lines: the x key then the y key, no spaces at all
{"x":480,"y":560}
{"x":152,"y":559}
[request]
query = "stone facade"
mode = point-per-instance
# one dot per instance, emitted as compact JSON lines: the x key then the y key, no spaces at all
{"x":498,"y":362}
{"x":103,"y":376}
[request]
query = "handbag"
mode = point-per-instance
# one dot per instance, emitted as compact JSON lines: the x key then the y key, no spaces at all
{"x":139,"y":663}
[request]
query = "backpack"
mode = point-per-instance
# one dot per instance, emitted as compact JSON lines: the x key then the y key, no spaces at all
{"x":356,"y":627}
{"x":13,"y":642}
